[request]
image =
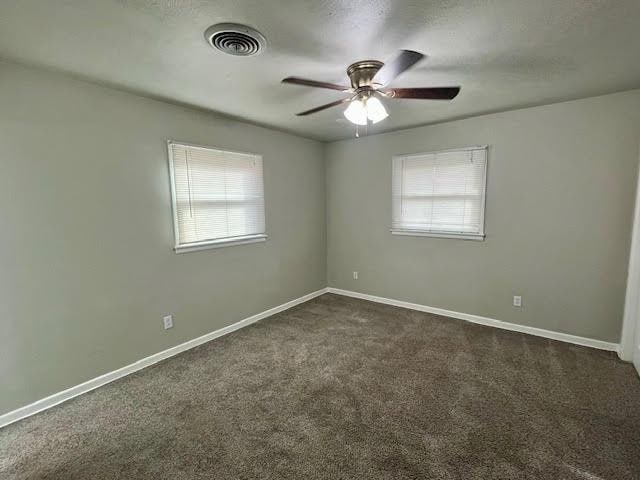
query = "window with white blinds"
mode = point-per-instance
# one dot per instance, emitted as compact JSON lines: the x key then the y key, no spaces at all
{"x":440,"y":193}
{"x":218,"y":197}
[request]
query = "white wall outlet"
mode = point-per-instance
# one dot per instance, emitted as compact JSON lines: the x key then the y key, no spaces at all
{"x":355,"y":275}
{"x":517,"y":301}
{"x":167,"y":320}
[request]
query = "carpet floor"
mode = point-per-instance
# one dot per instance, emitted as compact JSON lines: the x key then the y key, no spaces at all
{"x":339,"y":388}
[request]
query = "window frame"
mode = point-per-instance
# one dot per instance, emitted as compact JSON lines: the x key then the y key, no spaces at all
{"x":217,"y":242}
{"x":480,"y":236}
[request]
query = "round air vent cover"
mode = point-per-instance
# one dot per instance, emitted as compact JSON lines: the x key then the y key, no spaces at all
{"x":235,"y":39}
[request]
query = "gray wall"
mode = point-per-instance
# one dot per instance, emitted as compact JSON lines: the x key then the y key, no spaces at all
{"x":86,"y":262}
{"x":560,"y":195}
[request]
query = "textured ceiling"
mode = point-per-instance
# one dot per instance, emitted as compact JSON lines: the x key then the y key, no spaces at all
{"x":505,"y":54}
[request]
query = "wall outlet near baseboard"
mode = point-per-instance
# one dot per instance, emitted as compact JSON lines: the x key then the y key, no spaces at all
{"x":167,"y":321}
{"x":355,"y":275}
{"x":517,"y":301}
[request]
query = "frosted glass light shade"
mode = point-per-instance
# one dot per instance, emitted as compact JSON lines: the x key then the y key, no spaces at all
{"x":375,"y":110}
{"x":356,"y":112}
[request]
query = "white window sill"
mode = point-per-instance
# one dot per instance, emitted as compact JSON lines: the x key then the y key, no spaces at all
{"x":459,"y":236}
{"x":225,"y":242}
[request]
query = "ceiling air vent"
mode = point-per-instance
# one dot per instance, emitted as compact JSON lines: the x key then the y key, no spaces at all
{"x":235,"y":39}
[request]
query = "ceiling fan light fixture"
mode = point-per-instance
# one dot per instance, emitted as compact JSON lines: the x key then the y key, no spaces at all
{"x":356,"y":112}
{"x":375,"y":110}
{"x":360,"y":111}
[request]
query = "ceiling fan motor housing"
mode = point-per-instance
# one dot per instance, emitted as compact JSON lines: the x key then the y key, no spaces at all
{"x":361,"y":73}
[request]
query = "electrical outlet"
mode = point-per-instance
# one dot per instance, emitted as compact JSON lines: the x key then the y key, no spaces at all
{"x":355,"y":275}
{"x":517,"y":301}
{"x":167,"y":320}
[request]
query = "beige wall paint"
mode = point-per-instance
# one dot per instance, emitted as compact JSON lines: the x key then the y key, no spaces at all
{"x":560,"y":196}
{"x":86,"y":262}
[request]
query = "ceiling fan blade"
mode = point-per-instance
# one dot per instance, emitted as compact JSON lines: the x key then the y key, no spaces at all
{"x":315,"y":83}
{"x":436,"y":93}
{"x":404,"y":61}
{"x":324,"y":107}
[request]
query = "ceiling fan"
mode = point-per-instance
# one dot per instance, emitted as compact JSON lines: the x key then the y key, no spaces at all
{"x":369,"y":81}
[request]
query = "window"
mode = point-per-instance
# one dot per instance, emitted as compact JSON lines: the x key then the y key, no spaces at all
{"x":440,"y":194}
{"x":218,"y":197}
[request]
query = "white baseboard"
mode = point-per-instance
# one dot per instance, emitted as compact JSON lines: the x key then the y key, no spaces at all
{"x":94,"y":383}
{"x":539,"y":332}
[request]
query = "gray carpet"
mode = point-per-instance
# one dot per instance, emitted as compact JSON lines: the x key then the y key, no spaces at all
{"x":339,"y":388}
